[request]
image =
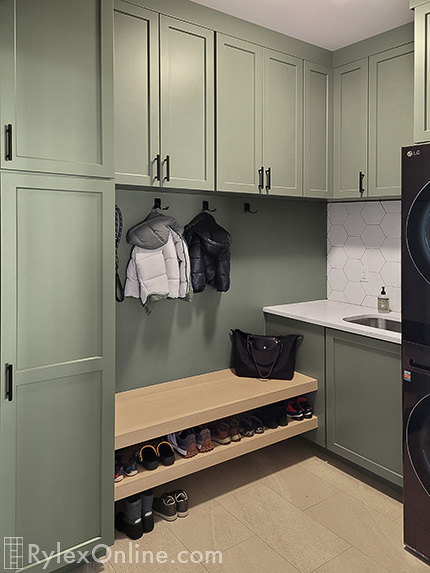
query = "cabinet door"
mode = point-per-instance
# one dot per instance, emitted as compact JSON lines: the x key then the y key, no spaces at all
{"x":391,"y":109}
{"x":364,"y":402}
{"x":422,"y":74}
{"x":56,"y":88}
{"x":318,"y":129}
{"x":57,"y":335}
{"x":239,"y":115}
{"x":282,"y":123}
{"x":136,"y":94}
{"x":350,"y":128}
{"x":187,"y":105}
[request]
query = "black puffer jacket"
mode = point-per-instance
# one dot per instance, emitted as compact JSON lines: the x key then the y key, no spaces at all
{"x":209,"y":249}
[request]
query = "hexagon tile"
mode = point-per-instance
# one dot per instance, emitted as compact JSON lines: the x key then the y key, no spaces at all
{"x":363,"y":238}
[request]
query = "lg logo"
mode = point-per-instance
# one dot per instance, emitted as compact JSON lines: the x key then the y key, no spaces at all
{"x":411,"y":153}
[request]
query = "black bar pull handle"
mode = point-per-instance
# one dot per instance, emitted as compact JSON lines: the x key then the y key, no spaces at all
{"x":268,"y":179}
{"x":361,"y":176}
{"x":167,"y":167}
{"x":9,"y":142}
{"x":9,"y":382}
{"x":261,"y":178}
{"x":158,"y":167}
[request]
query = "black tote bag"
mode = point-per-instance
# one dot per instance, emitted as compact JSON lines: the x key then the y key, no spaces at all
{"x":258,"y":356}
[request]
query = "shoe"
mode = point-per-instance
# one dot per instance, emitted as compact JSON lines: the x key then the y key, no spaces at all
{"x":268,"y":415}
{"x":281,"y":413}
{"x":305,"y":406}
{"x":119,"y":473}
{"x":129,"y":466}
{"x":221,"y":433}
{"x":246,"y":428}
{"x":165,"y":507}
{"x":147,"y":457}
{"x":129,"y":521}
{"x":256,"y":423}
{"x":203,"y":439}
{"x":293,"y":410}
{"x":147,"y":515}
{"x":184,"y":443}
{"x":165,"y":453}
{"x":234,"y":430}
{"x":181,"y":499}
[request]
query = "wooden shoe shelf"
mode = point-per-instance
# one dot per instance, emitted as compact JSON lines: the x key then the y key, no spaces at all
{"x":153,"y":411}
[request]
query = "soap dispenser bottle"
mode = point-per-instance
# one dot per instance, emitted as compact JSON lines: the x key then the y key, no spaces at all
{"x":383,"y":301}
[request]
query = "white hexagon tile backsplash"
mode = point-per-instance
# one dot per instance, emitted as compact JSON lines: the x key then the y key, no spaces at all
{"x":363,"y":252}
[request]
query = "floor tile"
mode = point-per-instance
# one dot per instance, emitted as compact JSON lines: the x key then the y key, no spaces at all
{"x":251,"y":556}
{"x":289,"y":531}
{"x":209,"y":527}
{"x":368,"y":530}
{"x":352,"y":561}
{"x":351,"y":481}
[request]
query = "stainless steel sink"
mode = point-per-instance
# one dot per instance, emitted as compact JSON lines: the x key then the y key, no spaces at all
{"x":376,"y":322}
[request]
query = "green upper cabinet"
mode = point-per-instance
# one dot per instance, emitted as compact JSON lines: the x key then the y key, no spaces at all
{"x":391,"y":117}
{"x":57,"y":363}
{"x":350,"y":128}
{"x":259,"y":119}
{"x":318,"y":130}
{"x":373,"y":120}
{"x":164,"y":101}
{"x":56,"y":88}
{"x":422,"y":74}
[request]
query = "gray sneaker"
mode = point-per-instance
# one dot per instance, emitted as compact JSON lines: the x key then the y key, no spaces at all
{"x":165,"y":507}
{"x":203,"y":439}
{"x":184,"y":443}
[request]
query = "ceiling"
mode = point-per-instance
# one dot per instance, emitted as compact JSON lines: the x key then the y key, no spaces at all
{"x":330,"y":24}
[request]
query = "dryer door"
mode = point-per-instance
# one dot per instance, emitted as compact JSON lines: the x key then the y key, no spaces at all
{"x":418,"y":232}
{"x":418,"y":440}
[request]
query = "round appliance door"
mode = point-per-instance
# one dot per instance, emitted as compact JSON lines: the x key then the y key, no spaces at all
{"x":418,"y":232}
{"x":418,"y":440}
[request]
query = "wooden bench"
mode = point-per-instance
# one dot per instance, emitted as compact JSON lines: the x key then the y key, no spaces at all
{"x":153,"y":411}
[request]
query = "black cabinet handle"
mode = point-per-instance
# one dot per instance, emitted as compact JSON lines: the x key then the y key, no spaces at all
{"x":158,"y":166}
{"x":167,"y":167}
{"x":9,"y":142}
{"x":268,"y":179}
{"x":360,"y":183}
{"x":9,"y":382}
{"x":261,"y":178}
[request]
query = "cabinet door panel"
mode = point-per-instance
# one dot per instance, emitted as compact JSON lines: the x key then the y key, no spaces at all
{"x":56,"y":88}
{"x":282,"y":122}
{"x":187,"y":104}
{"x":318,"y":115}
{"x":136,"y":94}
{"x":239,"y":115}
{"x":364,"y":415}
{"x":422,"y":74}
{"x":350,"y":127}
{"x":391,"y":109}
{"x":57,"y":332}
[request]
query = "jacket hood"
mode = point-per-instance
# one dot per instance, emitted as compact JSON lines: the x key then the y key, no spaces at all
{"x":213,"y":238}
{"x":153,"y":232}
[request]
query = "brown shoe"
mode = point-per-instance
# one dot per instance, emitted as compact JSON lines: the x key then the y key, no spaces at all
{"x":221,"y":433}
{"x":234,"y":430}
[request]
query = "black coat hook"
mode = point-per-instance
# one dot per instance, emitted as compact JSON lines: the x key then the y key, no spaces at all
{"x":205,"y":207}
{"x":157,"y":204}
{"x":247,"y":208}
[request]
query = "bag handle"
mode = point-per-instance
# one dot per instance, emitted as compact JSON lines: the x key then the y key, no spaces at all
{"x":280,"y":344}
{"x":119,"y":290}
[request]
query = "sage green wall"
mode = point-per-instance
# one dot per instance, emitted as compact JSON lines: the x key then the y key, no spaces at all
{"x":278,"y":256}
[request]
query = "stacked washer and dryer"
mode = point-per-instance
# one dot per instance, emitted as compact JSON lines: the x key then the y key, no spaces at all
{"x":416,"y":347}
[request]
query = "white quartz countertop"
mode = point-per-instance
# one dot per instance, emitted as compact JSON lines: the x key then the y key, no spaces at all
{"x":330,"y":314}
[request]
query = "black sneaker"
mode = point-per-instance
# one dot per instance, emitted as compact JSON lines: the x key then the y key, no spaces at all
{"x":181,"y":499}
{"x":165,"y":507}
{"x":305,"y":406}
{"x":293,"y":410}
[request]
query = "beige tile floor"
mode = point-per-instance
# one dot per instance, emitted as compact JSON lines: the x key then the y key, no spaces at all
{"x":288,"y":508}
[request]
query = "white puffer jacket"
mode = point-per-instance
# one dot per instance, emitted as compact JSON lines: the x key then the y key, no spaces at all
{"x":159,"y":266}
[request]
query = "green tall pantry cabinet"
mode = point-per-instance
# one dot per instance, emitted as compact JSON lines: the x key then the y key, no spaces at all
{"x":57,"y":282}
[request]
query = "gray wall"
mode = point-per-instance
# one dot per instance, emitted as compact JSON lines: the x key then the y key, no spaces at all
{"x":278,"y":256}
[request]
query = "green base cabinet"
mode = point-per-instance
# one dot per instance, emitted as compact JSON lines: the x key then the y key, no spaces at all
{"x":364,"y":416}
{"x":309,"y":361}
{"x":57,"y":366}
{"x":56,"y":86}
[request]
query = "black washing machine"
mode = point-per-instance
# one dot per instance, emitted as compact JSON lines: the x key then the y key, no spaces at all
{"x":416,"y":347}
